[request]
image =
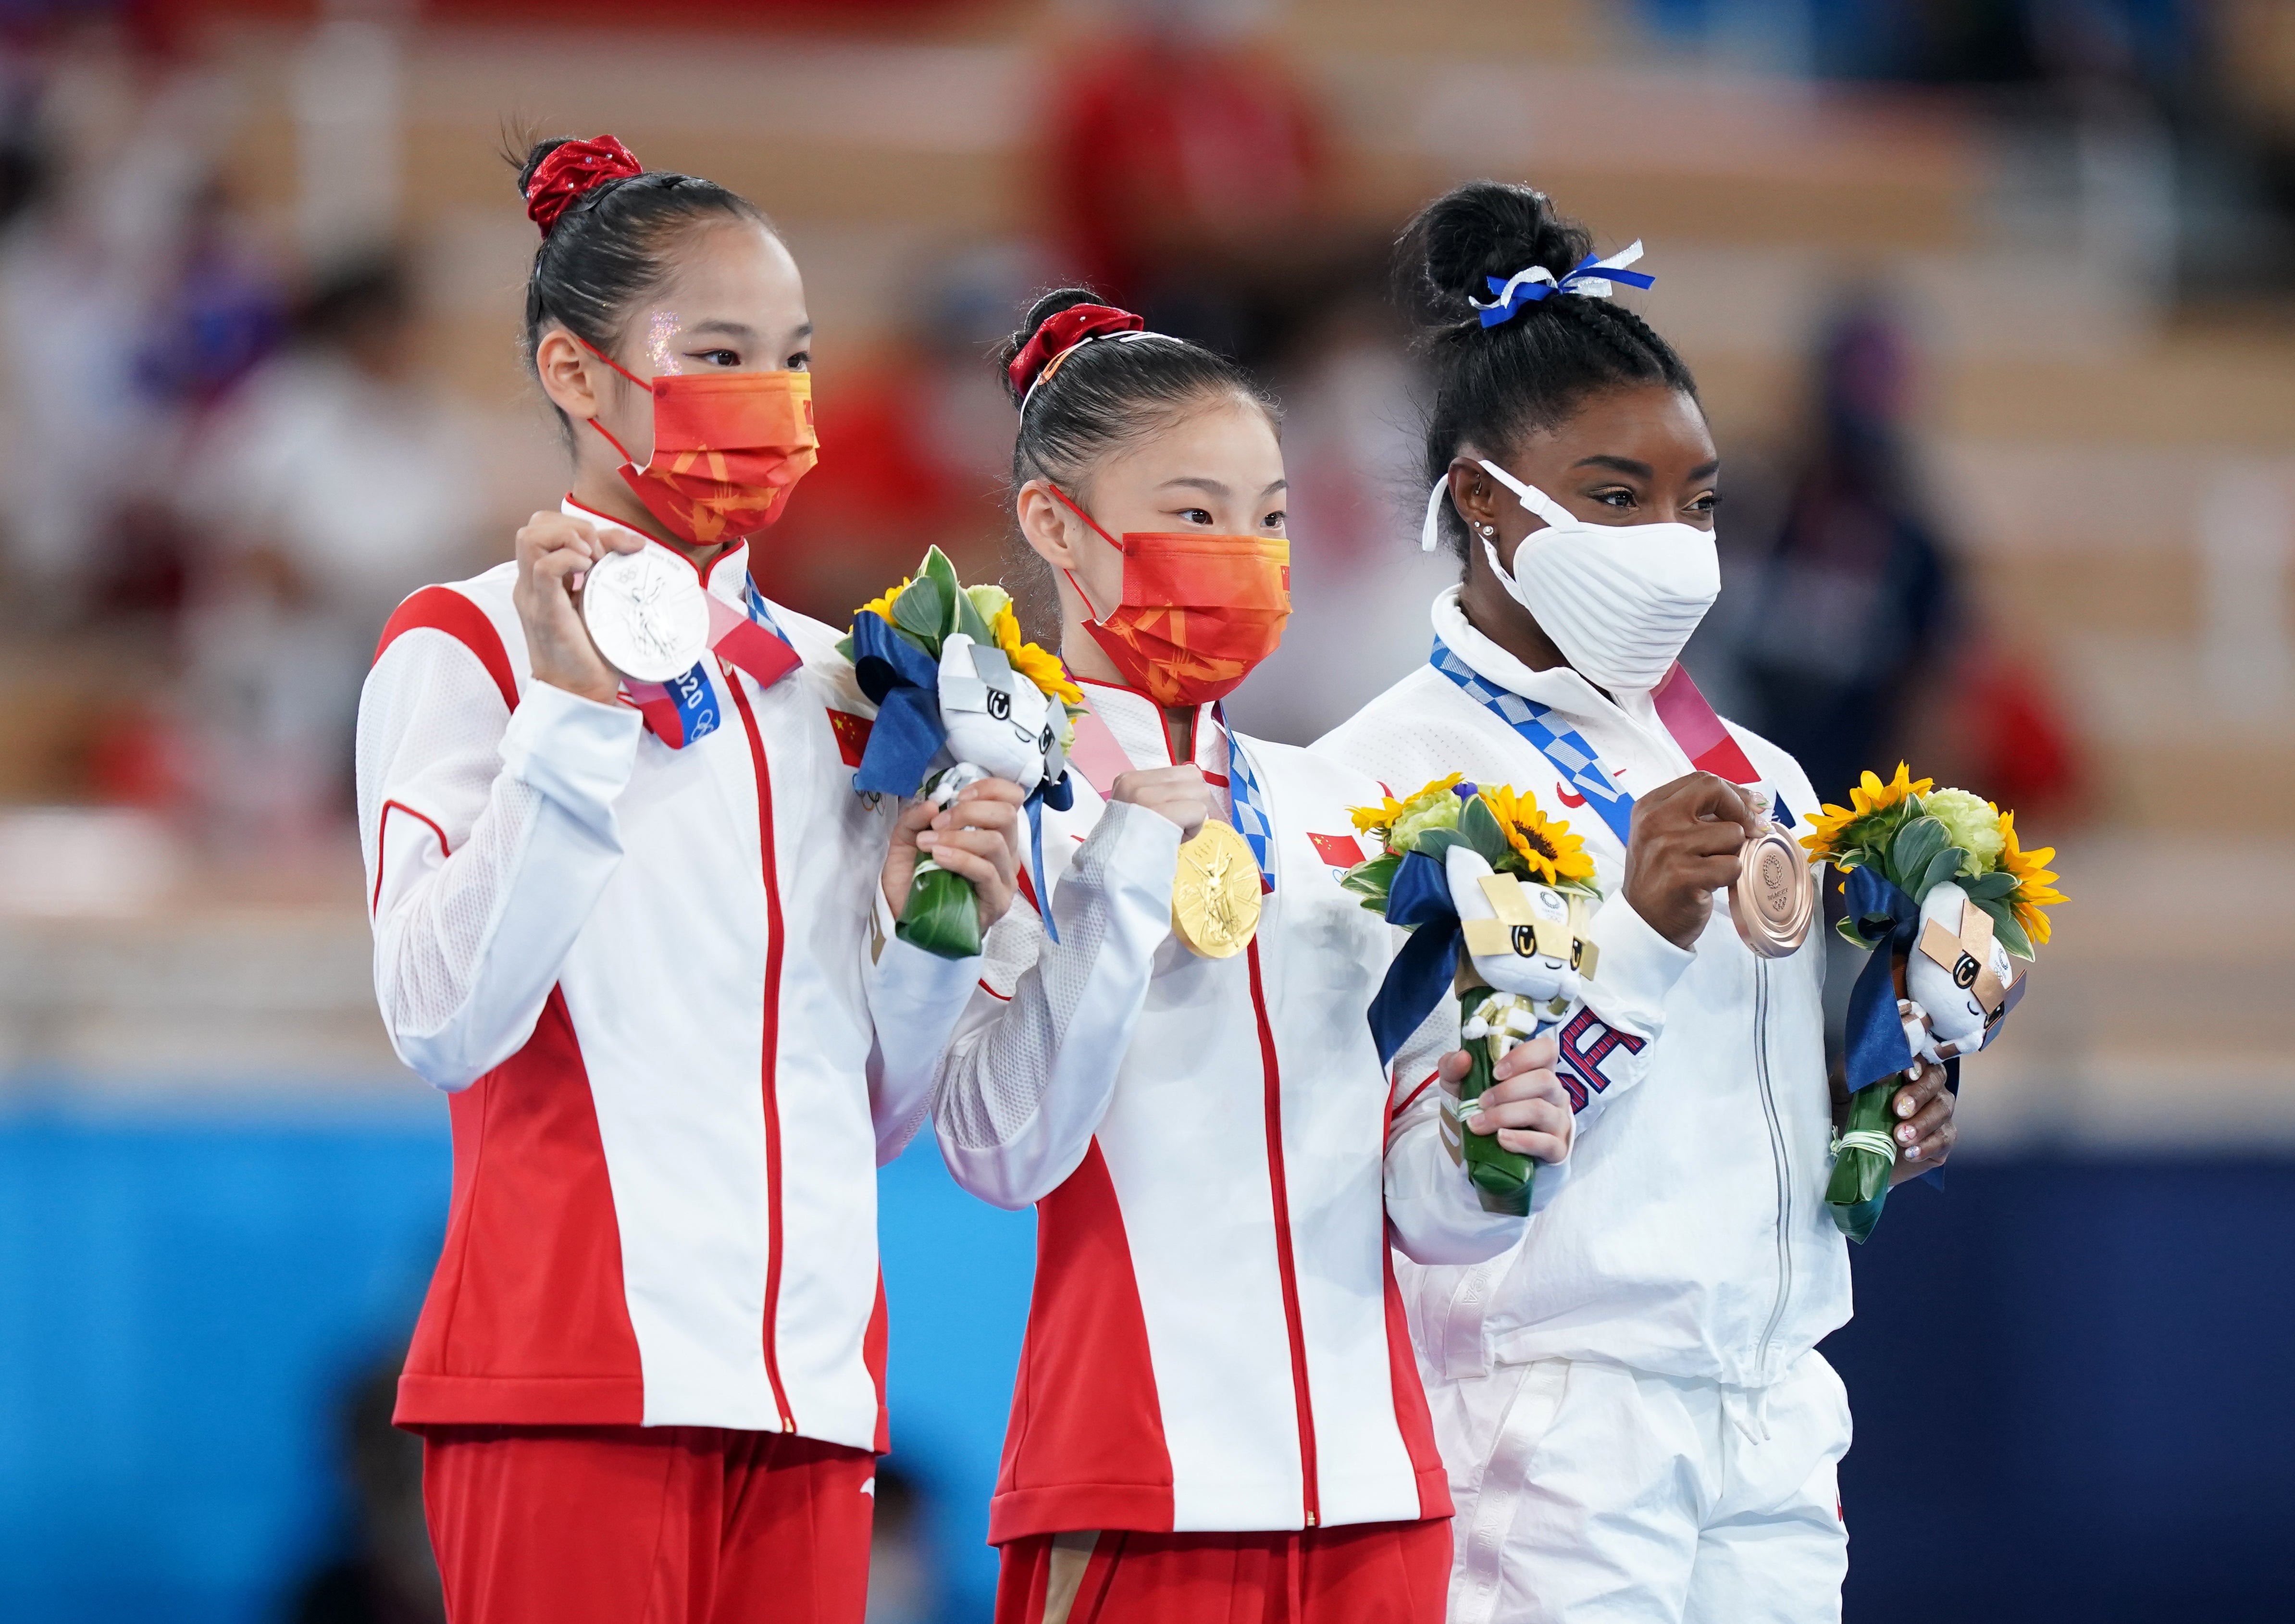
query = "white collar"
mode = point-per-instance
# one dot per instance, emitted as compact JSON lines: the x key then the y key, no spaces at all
{"x":1559,"y":688}
{"x":1136,"y":724}
{"x":725,"y":584}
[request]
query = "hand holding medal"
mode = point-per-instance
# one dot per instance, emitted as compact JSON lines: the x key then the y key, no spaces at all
{"x":1947,"y":900}
{"x":1481,"y":869}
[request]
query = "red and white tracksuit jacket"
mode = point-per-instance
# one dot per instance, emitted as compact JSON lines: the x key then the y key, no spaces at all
{"x":1217,"y":1158}
{"x":648,"y":978}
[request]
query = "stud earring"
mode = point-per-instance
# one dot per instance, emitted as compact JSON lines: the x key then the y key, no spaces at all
{"x":1488,"y":531}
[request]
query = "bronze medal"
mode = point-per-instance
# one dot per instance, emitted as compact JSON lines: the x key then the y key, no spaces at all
{"x":1215,"y":897}
{"x":1772,"y":899}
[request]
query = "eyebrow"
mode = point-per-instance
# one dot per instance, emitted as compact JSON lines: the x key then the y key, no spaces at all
{"x":1213,"y":488}
{"x":1643,"y":470}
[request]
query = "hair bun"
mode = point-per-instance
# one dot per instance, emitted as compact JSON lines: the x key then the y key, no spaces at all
{"x":558,"y":173}
{"x":1482,"y":229}
{"x":1059,"y":323}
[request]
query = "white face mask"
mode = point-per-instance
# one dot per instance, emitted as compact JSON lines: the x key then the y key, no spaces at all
{"x":1618,"y":601}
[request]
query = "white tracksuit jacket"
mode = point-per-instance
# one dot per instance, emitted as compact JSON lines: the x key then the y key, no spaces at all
{"x":1638,"y":1429}
{"x":1692,"y":1238}
{"x":646,"y":977}
{"x":1218,"y":1159}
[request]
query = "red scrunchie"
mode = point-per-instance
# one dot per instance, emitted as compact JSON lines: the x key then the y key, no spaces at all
{"x":1062,"y":333}
{"x":570,"y":170}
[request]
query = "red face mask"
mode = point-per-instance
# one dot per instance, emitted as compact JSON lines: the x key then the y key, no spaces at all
{"x":1198,"y":611}
{"x":727,"y":446}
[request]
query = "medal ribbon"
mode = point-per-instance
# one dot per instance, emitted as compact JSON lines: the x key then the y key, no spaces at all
{"x":681,"y":710}
{"x":1680,"y":707}
{"x":1099,"y":757}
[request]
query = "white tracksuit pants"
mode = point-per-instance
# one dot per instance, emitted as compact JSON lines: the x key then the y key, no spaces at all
{"x":1593,"y":1494}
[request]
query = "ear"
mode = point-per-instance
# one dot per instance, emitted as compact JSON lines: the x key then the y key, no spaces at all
{"x":564,"y":367}
{"x":1476,"y":496}
{"x":1046,"y":523}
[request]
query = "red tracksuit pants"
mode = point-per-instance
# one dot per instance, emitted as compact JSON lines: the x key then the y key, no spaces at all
{"x":1370,"y":1573}
{"x":647,"y":1525}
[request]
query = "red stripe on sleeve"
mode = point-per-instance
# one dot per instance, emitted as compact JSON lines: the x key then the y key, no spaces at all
{"x":442,"y":608}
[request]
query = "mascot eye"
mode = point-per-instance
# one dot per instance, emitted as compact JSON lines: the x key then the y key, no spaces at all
{"x":1525,"y":942}
{"x":1000,"y":704}
{"x":1044,"y":742}
{"x":1963,"y":973}
{"x":1577,"y":952}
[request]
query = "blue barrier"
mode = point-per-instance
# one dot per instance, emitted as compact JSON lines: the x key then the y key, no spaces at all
{"x":2071,"y":1377}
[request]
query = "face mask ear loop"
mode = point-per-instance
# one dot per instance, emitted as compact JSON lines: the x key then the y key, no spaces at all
{"x":1096,"y":618}
{"x":1433,"y":533}
{"x":1533,"y":499}
{"x":643,"y":383}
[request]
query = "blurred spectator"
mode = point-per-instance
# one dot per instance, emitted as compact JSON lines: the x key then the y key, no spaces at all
{"x":904,"y":1581}
{"x":386,"y":1575}
{"x":1856,"y":597}
{"x":1185,"y":171}
{"x":919,"y":446}
{"x":336,"y":481}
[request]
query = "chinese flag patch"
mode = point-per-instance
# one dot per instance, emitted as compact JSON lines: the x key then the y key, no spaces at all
{"x":1339,"y":851}
{"x":852,"y":735}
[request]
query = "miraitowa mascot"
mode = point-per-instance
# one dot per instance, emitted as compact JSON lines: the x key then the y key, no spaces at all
{"x":951,"y":710}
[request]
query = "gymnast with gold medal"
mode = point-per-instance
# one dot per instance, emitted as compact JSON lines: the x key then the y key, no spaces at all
{"x":1218,"y":1413}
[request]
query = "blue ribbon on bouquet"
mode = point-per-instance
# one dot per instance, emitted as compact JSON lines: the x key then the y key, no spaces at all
{"x":903,"y":682}
{"x":1419,"y":900}
{"x":1878,"y":1047}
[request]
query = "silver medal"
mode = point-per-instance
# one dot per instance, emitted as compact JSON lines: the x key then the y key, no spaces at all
{"x":647,"y":614}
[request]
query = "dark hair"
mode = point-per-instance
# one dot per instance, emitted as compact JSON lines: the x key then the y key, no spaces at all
{"x":1491,"y":384}
{"x":607,"y":252}
{"x":1108,"y":393}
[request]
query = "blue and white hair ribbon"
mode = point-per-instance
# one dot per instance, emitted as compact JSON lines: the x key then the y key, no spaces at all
{"x":1589,"y":278}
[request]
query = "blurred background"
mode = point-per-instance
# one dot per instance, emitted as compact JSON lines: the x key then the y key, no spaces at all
{"x":1992,"y":303}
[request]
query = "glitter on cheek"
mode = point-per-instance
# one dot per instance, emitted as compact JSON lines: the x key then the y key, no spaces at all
{"x":665,"y":328}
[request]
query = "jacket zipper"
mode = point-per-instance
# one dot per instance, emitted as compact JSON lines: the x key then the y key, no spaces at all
{"x":1779,"y":1157}
{"x":769,"y":1063}
{"x":1311,"y":1498}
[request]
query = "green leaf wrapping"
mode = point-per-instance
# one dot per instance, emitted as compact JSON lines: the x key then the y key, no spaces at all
{"x":1480,"y":829}
{"x":1989,"y":887}
{"x":2011,"y":935}
{"x":1373,"y":879}
{"x":921,"y":610}
{"x":1914,"y":847}
{"x":969,"y":621}
{"x":942,"y":915}
{"x":1944,"y":866}
{"x":1502,"y":1179}
{"x":1436,"y":844}
{"x":1859,"y":1185}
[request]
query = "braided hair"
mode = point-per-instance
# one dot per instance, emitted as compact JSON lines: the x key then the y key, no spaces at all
{"x":1494,"y":384}
{"x":605,"y":248}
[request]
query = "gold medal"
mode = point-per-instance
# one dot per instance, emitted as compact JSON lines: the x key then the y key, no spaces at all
{"x":1772,"y":899}
{"x":1215,"y":895}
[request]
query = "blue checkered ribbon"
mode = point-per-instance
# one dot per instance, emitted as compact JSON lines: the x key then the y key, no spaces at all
{"x":1573,"y":758}
{"x":753,"y":601}
{"x":1250,"y":817}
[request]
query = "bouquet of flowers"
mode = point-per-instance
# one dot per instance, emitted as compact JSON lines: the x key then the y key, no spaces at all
{"x":1948,"y":901}
{"x":1479,"y":867}
{"x":960,"y":697}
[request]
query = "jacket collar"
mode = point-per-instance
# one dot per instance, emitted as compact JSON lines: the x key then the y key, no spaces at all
{"x":1136,"y":724}
{"x":718,"y":577}
{"x":1559,"y":688}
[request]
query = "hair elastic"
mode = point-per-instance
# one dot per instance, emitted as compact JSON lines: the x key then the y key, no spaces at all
{"x":1589,"y":278}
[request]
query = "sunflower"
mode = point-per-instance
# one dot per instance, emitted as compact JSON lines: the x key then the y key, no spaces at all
{"x":1037,"y":665}
{"x":1552,"y":853}
{"x":1380,"y":818}
{"x":1832,"y":837}
{"x":882,"y":607}
{"x":2035,"y":881}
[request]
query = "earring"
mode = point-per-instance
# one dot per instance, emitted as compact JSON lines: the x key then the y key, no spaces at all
{"x":1488,"y":531}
